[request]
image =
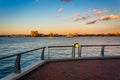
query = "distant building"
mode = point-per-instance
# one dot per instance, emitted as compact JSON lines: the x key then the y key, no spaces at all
{"x":34,"y":33}
{"x":69,"y":35}
{"x":75,"y":34}
{"x":51,"y":35}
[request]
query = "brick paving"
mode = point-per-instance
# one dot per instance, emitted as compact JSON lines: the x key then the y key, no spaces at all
{"x":108,"y":69}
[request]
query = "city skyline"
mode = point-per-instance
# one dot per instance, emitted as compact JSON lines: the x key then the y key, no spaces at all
{"x":59,"y":16}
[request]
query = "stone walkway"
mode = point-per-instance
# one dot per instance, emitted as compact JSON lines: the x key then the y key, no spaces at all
{"x":108,"y":69}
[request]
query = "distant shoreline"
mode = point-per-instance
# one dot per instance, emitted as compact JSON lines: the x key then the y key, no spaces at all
{"x":12,"y":36}
{"x":33,"y":34}
{"x":37,"y":34}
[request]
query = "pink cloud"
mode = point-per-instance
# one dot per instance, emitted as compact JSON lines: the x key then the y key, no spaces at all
{"x":92,"y":22}
{"x":76,"y":15}
{"x":76,"y":19}
{"x":109,"y":17}
{"x":85,"y":17}
{"x":103,"y":18}
{"x":100,"y":12}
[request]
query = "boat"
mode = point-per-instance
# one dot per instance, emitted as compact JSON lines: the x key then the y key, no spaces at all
{"x":75,"y":68}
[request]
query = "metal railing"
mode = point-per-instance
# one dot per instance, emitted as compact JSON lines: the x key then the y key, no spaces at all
{"x":17,"y":66}
{"x":79,"y":48}
{"x":102,"y":48}
{"x":65,"y":46}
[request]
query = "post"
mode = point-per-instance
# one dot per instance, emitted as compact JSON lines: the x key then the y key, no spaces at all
{"x":48,"y":53}
{"x":76,"y":45}
{"x":42,"y":54}
{"x":79,"y":51}
{"x":73,"y":51}
{"x":17,"y":68}
{"x":102,"y":50}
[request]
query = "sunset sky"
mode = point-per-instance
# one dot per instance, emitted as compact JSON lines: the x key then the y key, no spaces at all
{"x":59,"y":16}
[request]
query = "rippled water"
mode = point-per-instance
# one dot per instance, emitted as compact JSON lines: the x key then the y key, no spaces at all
{"x":10,"y":46}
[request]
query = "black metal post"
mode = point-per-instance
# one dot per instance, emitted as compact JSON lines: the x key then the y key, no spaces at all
{"x":102,"y":50}
{"x":42,"y":54}
{"x":17,"y":67}
{"x":48,"y":53}
{"x":73,"y":51}
{"x":79,"y":51}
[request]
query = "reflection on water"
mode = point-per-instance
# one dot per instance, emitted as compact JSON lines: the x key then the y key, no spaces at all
{"x":10,"y":46}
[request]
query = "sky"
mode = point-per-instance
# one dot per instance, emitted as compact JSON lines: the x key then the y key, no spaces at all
{"x":59,"y":16}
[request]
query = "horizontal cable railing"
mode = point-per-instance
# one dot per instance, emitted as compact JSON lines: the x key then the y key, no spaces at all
{"x":102,"y":48}
{"x":96,"y":45}
{"x":17,"y":66}
{"x":60,"y":46}
{"x":79,"y":47}
{"x":58,"y":49}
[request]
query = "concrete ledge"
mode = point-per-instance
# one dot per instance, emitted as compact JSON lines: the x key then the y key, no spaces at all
{"x":24,"y":71}
{"x":85,"y":58}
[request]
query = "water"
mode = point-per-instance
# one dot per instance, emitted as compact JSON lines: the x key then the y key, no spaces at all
{"x":10,"y":46}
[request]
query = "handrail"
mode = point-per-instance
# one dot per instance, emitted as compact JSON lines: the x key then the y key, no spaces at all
{"x":80,"y":48}
{"x":21,"y":53}
{"x":97,"y":45}
{"x":17,"y":66}
{"x":53,"y":47}
{"x":102,"y":48}
{"x":60,"y":46}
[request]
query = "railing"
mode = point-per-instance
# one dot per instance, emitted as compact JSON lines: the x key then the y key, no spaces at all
{"x":76,"y":46}
{"x":17,"y":66}
{"x":102,"y":48}
{"x":79,"y":48}
{"x":70,"y":46}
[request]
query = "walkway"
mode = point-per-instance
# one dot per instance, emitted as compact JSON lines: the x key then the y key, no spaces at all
{"x":108,"y":69}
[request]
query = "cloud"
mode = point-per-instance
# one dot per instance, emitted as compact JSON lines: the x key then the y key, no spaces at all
{"x":92,"y":22}
{"x":85,"y":17}
{"x":100,"y":12}
{"x":76,"y":19}
{"x":103,"y":18}
{"x":76,"y":15}
{"x":60,"y":10}
{"x":109,"y":17}
{"x":66,"y":0}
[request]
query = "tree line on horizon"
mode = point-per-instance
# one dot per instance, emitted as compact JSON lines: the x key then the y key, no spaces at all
{"x":36,"y":34}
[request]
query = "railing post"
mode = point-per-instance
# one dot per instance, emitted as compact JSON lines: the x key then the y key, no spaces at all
{"x":42,"y":54}
{"x":17,"y":67}
{"x":48,"y":53}
{"x":79,"y":51}
{"x":76,"y":46}
{"x":102,"y":50}
{"x":73,"y":51}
